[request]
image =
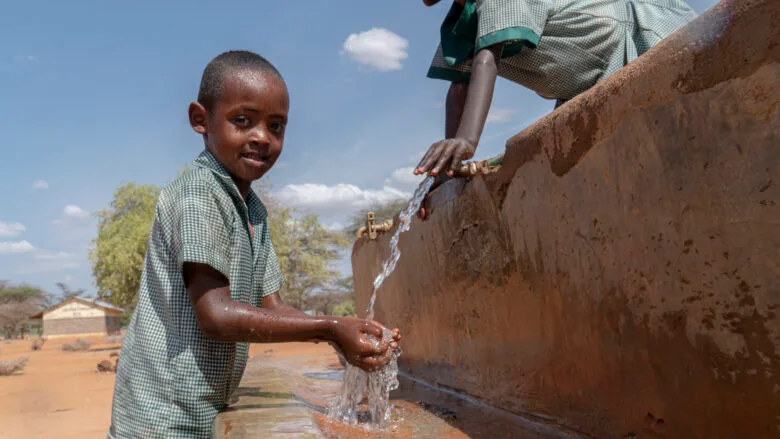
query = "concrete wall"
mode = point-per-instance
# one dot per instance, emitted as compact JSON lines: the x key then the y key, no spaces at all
{"x":621,"y":273}
{"x":80,"y":325}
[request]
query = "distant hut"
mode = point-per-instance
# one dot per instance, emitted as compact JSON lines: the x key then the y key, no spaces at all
{"x":77,"y":316}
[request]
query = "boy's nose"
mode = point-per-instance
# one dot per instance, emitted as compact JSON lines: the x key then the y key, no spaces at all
{"x":258,"y":136}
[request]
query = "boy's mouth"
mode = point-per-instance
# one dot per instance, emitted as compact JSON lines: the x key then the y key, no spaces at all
{"x":255,"y":158}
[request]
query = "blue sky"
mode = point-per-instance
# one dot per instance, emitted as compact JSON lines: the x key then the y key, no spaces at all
{"x":95,"y":93}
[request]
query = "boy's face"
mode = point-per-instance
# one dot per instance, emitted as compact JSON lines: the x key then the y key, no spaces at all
{"x":245,"y":127}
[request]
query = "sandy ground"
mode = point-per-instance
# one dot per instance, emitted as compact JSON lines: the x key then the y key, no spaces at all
{"x":60,"y":394}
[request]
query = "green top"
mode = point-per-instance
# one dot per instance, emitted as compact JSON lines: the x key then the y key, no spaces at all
{"x":172,"y":380}
{"x":460,"y":38}
{"x":558,"y":48}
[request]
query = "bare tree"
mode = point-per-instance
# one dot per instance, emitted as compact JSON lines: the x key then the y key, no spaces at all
{"x":323,"y":303}
{"x":67,"y":293}
{"x":13,"y":316}
{"x":17,"y":304}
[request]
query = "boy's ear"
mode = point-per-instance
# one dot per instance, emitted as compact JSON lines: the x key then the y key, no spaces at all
{"x":198,"y":118}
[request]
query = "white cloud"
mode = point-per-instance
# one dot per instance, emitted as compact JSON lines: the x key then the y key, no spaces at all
{"x":500,"y":115}
{"x":74,"y":211}
{"x":8,"y":230}
{"x":16,"y":247}
{"x":337,"y":199}
{"x":47,"y":266}
{"x":35,"y":260}
{"x":405,"y":178}
{"x":378,"y":48}
{"x":334,"y":226}
{"x":40,"y":184}
{"x":46,"y":261}
{"x":439,"y":104}
{"x":43,"y":255}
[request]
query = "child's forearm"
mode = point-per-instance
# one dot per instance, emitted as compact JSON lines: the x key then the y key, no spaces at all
{"x":480,"y":94}
{"x":222,"y":318}
{"x":274,"y":303}
{"x":456,"y":102}
{"x":257,"y":325}
{"x":235,"y":321}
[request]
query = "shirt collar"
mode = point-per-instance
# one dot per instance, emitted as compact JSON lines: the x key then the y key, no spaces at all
{"x":207,"y":160}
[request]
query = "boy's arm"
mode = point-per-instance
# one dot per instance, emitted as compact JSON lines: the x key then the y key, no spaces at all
{"x":448,"y":153}
{"x":222,"y":318}
{"x":274,"y":303}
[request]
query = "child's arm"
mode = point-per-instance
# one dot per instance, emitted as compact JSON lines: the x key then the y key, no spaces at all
{"x":222,"y":318}
{"x":274,"y":302}
{"x":470,"y":114}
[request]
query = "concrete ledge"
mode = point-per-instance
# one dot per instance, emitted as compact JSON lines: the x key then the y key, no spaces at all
{"x":619,"y":275}
{"x":266,"y":407}
{"x":287,"y":396}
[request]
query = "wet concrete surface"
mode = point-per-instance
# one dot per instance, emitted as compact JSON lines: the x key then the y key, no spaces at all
{"x":288,"y":397}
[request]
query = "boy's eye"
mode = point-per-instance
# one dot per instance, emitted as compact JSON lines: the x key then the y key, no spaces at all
{"x":241,"y":120}
{"x":277,"y":127}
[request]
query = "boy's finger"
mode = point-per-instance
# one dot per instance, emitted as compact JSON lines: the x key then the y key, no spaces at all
{"x":375,"y":362}
{"x":423,"y":212}
{"x":422,"y":160}
{"x":455,"y":162}
{"x":425,"y":164}
{"x":436,"y":154}
{"x":369,"y":364}
{"x":372,"y":329}
{"x":383,"y":346}
{"x":429,"y":162}
{"x":442,"y":161}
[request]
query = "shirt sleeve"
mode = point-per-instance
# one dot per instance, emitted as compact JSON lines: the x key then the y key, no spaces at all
{"x":273,"y":279}
{"x":204,"y":229}
{"x":513,"y":23}
{"x":440,"y":69}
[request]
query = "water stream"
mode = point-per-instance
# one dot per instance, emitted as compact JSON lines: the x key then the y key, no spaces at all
{"x":381,"y":382}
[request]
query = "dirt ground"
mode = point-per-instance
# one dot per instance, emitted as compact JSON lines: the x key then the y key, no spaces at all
{"x":61,"y":394}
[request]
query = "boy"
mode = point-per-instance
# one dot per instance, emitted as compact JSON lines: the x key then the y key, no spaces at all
{"x":210,"y":264}
{"x":558,"y":48}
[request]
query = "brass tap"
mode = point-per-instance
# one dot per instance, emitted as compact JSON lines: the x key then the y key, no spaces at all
{"x":471,"y":169}
{"x":373,"y":229}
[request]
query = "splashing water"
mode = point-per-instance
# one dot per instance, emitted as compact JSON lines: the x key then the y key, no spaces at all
{"x":405,"y":220}
{"x":381,"y":382}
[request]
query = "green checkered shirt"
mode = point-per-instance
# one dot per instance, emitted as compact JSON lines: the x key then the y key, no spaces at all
{"x":558,"y":48}
{"x":172,"y":380}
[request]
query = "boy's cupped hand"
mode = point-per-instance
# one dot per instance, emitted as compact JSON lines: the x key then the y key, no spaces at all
{"x":350,"y":336}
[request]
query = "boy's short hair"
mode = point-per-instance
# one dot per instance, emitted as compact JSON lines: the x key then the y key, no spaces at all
{"x":224,"y":63}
